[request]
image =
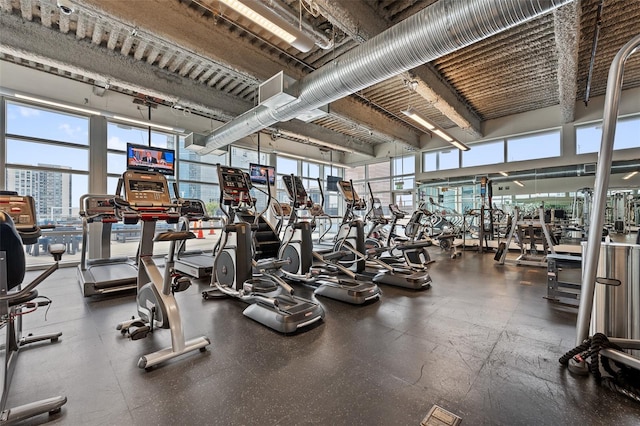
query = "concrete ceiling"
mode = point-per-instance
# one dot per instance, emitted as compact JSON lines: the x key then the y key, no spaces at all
{"x":200,"y":55}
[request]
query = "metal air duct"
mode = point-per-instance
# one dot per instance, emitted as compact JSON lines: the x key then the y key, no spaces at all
{"x":435,"y":31}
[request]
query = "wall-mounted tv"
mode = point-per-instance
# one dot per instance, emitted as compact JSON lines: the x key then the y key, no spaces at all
{"x":258,"y":174}
{"x":151,"y":159}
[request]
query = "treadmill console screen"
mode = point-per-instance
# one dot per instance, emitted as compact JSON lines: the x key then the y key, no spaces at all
{"x":146,"y":189}
{"x":21,"y":209}
{"x":141,"y":186}
{"x":235,"y":185}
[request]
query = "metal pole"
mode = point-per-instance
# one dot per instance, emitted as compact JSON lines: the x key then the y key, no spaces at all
{"x":610,"y":115}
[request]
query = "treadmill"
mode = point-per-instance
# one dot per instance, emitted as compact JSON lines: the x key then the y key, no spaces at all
{"x":105,"y":274}
{"x":197,"y":264}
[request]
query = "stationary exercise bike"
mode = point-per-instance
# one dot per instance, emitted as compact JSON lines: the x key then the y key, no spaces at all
{"x":147,"y":199}
{"x":18,"y":225}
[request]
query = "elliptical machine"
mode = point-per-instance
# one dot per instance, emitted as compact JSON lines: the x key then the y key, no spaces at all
{"x":297,"y":247}
{"x":18,"y":225}
{"x":350,"y":238}
{"x":147,"y":199}
{"x":271,"y":300}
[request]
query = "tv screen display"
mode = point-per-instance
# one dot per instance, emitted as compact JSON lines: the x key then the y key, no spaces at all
{"x":332,"y":183}
{"x":150,"y":159}
{"x":258,"y":174}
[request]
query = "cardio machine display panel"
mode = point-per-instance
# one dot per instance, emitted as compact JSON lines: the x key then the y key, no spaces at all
{"x":300,"y":193}
{"x":234,"y":184}
{"x":348,"y":192}
{"x":20,"y":208}
{"x":99,"y":205}
{"x":146,"y":189}
{"x":192,"y":207}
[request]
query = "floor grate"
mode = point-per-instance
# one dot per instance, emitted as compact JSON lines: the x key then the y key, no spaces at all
{"x":438,"y":416}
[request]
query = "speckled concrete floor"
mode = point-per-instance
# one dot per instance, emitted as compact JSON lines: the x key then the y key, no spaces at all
{"x":482,"y":343}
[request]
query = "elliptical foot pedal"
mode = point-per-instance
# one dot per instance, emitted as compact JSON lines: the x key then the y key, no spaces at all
{"x":213,"y":294}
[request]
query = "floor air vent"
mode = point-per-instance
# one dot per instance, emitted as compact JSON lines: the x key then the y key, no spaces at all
{"x":438,"y":416}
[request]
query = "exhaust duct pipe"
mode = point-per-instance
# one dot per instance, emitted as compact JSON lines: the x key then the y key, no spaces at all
{"x":440,"y":29}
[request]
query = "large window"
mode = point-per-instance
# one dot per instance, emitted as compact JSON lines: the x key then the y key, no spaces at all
{"x":286,"y":166}
{"x":430,"y":162}
{"x":589,"y":137}
{"x":531,"y":147}
{"x":40,"y":123}
{"x":48,"y":158}
{"x":449,"y":159}
{"x":355,"y":174}
{"x":198,"y":177}
{"x":484,"y":153}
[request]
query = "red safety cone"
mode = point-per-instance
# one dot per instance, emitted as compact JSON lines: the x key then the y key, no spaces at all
{"x":200,"y":233}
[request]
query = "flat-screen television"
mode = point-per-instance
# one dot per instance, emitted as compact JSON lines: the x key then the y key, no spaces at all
{"x":151,"y":159}
{"x":332,"y":183}
{"x":259,"y":173}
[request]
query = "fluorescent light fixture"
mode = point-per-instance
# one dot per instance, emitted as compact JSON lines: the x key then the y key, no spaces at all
{"x":630,"y":175}
{"x":146,"y":123}
{"x":505,"y":174}
{"x":413,"y":114}
{"x":459,"y":145}
{"x":257,"y":18}
{"x":520,"y":184}
{"x":443,"y":135}
{"x":57,"y":104}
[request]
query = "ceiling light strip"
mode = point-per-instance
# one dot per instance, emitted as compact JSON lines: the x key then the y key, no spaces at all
{"x":146,"y":123}
{"x":415,"y":116}
{"x":257,"y":18}
{"x":90,"y":111}
{"x":57,"y":104}
{"x":630,"y":175}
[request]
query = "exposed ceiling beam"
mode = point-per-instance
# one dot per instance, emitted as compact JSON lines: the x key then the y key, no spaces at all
{"x":566,"y":20}
{"x":361,"y":23}
{"x":176,"y":22}
{"x":326,"y":135}
{"x":32,"y":41}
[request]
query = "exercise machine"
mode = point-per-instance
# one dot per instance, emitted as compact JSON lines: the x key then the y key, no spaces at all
{"x":271,"y":300}
{"x":350,"y":239}
{"x":530,"y":234}
{"x":105,"y":274}
{"x":18,"y":226}
{"x":197,"y":263}
{"x":147,"y":199}
{"x":599,"y":347}
{"x":297,"y":247}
